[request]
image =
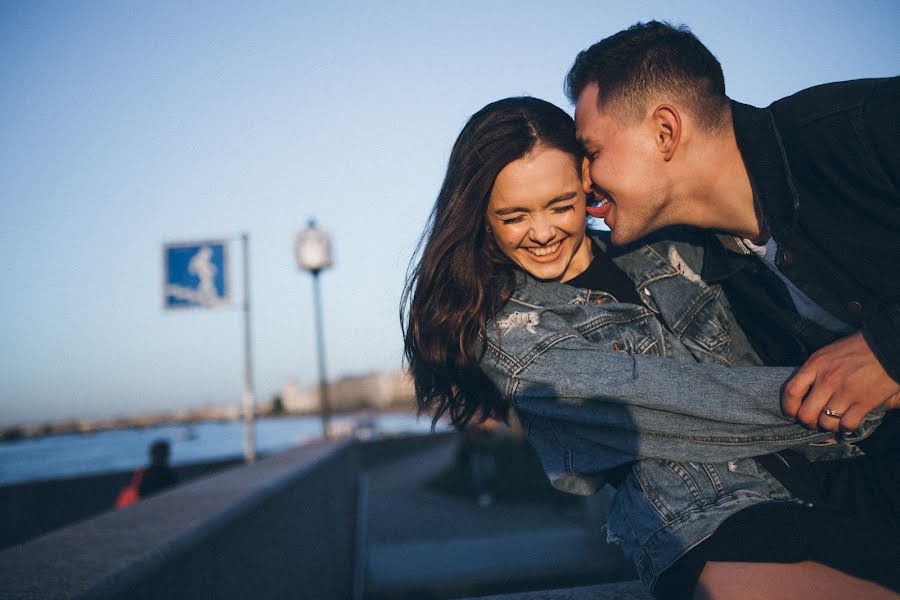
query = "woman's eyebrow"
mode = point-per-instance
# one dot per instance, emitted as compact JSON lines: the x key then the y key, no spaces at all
{"x":562,"y":198}
{"x":509,"y":210}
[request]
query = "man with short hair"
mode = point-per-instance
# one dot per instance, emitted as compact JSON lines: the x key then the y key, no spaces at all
{"x":802,"y":200}
{"x":810,"y":184}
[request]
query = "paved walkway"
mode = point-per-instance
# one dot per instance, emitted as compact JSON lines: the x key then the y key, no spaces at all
{"x":422,"y":544}
{"x":621,"y":590}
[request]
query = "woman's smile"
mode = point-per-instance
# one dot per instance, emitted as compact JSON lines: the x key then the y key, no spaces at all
{"x":546,"y":251}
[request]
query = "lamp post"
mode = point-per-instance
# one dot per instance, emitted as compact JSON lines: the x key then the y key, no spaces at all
{"x":312,"y":250}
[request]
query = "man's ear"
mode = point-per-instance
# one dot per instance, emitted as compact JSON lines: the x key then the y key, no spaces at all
{"x":586,"y":183}
{"x":667,"y":127}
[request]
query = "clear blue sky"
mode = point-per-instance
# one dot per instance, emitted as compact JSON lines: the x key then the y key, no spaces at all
{"x":127,"y":124}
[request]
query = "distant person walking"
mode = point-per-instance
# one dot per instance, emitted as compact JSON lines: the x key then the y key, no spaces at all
{"x":149,"y":480}
{"x":158,"y":475}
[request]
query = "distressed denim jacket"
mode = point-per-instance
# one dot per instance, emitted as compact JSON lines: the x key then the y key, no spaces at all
{"x":672,"y":384}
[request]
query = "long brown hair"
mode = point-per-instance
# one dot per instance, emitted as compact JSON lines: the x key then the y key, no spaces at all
{"x":461,"y":278}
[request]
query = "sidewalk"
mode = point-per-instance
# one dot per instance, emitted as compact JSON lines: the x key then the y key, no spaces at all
{"x":421,"y":544}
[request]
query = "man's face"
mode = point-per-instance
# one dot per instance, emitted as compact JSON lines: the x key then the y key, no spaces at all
{"x":624,"y":168}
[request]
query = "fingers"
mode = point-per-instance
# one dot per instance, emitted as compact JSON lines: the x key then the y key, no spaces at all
{"x":853,"y":418}
{"x":811,"y":410}
{"x":834,"y":422}
{"x":845,"y":377}
{"x":893,"y":402}
{"x":796,"y":389}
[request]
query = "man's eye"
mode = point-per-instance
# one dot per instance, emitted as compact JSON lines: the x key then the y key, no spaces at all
{"x":513,"y":221}
{"x":562,"y":209}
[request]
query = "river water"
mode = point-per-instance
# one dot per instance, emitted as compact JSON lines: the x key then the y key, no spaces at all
{"x":79,"y":454}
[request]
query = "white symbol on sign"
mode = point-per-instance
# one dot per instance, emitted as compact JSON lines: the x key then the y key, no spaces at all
{"x":204,"y":294}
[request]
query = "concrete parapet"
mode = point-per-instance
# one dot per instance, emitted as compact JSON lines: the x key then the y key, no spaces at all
{"x":281,"y":527}
{"x":294,"y":525}
{"x":34,"y":508}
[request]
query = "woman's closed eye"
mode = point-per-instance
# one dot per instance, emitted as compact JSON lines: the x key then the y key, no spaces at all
{"x":557,"y":210}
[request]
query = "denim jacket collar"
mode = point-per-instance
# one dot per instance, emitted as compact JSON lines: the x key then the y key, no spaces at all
{"x":645,"y":264}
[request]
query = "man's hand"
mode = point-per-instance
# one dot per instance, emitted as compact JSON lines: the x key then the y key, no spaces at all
{"x":846,"y":379}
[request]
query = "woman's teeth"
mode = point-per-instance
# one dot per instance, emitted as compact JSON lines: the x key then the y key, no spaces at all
{"x":545,"y":250}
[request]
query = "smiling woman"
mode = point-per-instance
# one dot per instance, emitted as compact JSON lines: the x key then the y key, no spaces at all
{"x":495,"y":211}
{"x":536,"y":214}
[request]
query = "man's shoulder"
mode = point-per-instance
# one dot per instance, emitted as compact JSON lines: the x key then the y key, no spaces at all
{"x":829,"y":99}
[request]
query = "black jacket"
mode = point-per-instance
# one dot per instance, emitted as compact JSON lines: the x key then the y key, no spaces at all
{"x":825,"y":169}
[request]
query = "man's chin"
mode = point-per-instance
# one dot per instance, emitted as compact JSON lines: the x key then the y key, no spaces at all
{"x":621,"y":237}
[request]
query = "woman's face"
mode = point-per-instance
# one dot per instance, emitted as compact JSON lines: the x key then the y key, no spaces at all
{"x":536,"y":215}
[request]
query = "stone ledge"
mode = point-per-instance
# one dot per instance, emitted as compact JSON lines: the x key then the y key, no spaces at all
{"x":276,"y":528}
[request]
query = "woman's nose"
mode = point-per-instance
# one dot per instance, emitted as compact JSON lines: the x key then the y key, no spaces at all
{"x":542,"y":231}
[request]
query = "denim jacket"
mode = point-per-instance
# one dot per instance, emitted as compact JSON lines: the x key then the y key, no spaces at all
{"x":597,"y":383}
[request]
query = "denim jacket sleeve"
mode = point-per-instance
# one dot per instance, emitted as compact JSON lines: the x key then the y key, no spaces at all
{"x":636,"y":405}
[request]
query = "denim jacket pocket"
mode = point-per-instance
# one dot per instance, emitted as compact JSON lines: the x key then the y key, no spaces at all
{"x":677,"y":490}
{"x":707,"y":326}
{"x":708,"y":333}
{"x":624,"y":328}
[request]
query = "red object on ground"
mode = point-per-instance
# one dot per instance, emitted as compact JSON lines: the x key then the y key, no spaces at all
{"x":131,"y":493}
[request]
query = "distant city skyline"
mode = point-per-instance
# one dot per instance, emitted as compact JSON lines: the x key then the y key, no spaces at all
{"x":130,"y":124}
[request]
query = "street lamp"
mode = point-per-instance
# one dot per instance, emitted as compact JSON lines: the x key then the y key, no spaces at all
{"x":312,"y":249}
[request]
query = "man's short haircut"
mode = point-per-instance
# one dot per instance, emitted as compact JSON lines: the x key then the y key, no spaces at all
{"x":650,"y":59}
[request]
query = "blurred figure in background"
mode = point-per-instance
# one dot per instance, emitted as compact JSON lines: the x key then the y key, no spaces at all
{"x":158,"y":475}
{"x":149,"y":480}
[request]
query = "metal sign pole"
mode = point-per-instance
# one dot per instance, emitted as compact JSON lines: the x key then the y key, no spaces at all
{"x":248,"y":399}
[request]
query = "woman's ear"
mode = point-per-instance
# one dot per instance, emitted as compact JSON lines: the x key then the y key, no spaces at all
{"x":667,"y":127}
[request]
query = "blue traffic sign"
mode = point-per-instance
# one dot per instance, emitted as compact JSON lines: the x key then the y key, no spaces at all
{"x":196,"y":275}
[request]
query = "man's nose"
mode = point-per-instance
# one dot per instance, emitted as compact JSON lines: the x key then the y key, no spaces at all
{"x":542,"y":231}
